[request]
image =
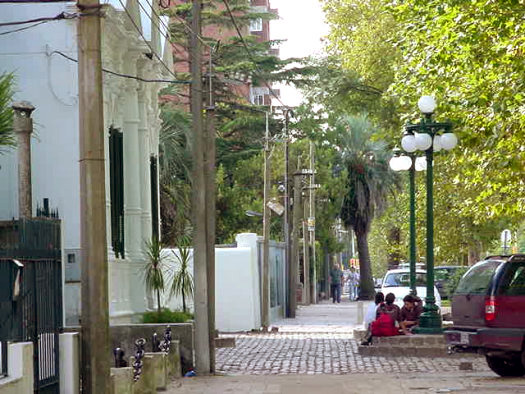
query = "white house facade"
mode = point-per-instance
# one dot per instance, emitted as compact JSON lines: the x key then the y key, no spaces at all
{"x":42,"y":59}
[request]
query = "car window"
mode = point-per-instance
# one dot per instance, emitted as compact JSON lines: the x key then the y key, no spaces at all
{"x":442,"y":274}
{"x":477,"y":279}
{"x":513,"y":280}
{"x":402,"y":279}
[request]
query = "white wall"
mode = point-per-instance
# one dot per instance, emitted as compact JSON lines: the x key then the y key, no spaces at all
{"x":237,"y":291}
{"x":49,"y":82}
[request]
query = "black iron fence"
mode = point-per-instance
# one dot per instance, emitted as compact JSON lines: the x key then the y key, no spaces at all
{"x":31,"y":295}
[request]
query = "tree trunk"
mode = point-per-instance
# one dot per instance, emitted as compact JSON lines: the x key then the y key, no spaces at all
{"x":366,"y":288}
{"x":183,"y":296}
{"x":158,"y":301}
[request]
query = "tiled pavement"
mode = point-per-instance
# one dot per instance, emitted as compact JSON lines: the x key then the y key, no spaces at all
{"x":316,"y":353}
{"x":320,"y":353}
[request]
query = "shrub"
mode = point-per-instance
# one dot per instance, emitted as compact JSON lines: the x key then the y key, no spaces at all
{"x":166,"y":316}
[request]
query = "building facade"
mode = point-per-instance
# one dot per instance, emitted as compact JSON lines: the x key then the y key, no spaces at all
{"x":43,"y":61}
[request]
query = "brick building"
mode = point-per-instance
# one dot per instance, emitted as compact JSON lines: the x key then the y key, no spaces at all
{"x":244,"y":89}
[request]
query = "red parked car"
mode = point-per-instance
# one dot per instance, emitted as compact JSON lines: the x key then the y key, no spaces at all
{"x":488,"y":310}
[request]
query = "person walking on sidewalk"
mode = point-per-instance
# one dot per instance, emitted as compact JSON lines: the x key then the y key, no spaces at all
{"x":335,"y":282}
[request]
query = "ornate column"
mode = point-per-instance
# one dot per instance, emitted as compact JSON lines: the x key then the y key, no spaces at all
{"x":144,"y":153}
{"x":132,"y":196}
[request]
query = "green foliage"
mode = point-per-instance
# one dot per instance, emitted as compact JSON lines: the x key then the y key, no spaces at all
{"x":368,"y":182}
{"x":182,"y":280}
{"x":166,"y":316}
{"x":6,"y":113}
{"x":453,"y":281}
{"x":174,"y":172}
{"x":153,"y":271}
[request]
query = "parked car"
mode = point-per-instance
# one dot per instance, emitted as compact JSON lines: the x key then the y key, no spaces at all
{"x":398,"y":282}
{"x":441,"y":276}
{"x":488,"y":310}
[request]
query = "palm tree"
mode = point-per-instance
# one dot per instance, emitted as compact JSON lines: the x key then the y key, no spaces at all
{"x":369,"y":181}
{"x":182,"y":284}
{"x":6,"y":113}
{"x":154,"y":269}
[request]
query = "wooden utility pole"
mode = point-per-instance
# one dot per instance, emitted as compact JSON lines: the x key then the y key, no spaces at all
{"x":265,"y":308}
{"x":200,"y":255}
{"x":296,"y":228}
{"x":209,"y":168}
{"x":95,"y":309}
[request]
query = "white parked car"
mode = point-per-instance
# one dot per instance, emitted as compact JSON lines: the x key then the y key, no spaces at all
{"x":398,"y":282}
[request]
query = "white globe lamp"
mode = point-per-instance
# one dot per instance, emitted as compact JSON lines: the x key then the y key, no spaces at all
{"x":408,"y":143}
{"x":449,"y":141}
{"x":405,"y":163}
{"x":394,"y":163}
{"x":427,"y":104}
{"x":437,"y":143}
{"x":423,"y":141}
{"x":421,"y":163}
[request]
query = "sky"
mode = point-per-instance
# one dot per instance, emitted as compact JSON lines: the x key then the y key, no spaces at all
{"x":301,"y":23}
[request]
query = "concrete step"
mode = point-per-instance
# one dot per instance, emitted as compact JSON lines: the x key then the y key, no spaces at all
{"x":410,"y":341}
{"x":403,"y":351}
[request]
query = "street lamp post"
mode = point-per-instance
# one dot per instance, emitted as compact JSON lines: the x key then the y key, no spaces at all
{"x":411,"y":163}
{"x":430,"y":137}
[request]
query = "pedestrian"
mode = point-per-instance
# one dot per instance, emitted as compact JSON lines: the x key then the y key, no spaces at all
{"x":335,"y":282}
{"x":410,"y":314}
{"x":388,"y":316}
{"x":356,"y":280}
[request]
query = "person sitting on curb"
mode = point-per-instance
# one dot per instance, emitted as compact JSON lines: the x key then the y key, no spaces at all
{"x":388,"y":315}
{"x":370,"y":316}
{"x":410,"y":314}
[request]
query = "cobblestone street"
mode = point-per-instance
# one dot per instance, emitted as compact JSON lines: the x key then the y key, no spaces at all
{"x":316,"y":353}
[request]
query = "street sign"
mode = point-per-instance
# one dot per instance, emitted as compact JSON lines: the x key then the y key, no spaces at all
{"x":276,"y":207}
{"x":506,"y":237}
{"x":311,"y":223}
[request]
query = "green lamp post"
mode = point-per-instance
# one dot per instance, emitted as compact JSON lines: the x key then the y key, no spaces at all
{"x":430,"y":137}
{"x":412,"y":163}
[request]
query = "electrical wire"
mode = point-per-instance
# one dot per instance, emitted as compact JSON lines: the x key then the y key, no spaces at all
{"x":146,"y":41}
{"x":23,"y":28}
{"x":62,"y":15}
{"x":126,"y":75}
{"x":250,"y":55}
{"x":200,"y":38}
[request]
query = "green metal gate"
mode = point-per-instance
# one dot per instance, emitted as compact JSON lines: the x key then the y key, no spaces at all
{"x":31,"y":294}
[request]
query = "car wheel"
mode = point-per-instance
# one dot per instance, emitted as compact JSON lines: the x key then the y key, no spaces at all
{"x":506,"y":366}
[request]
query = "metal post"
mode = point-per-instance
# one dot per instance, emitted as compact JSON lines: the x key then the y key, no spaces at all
{"x":294,"y":256}
{"x":306,"y":255}
{"x":430,"y":320}
{"x":311,"y":203}
{"x":265,"y":313}
{"x":23,"y":128}
{"x":412,"y":177}
{"x":287,"y":253}
{"x":200,"y":270}
{"x":95,"y":308}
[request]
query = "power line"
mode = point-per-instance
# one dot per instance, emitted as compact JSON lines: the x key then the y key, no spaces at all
{"x":146,"y":41}
{"x":23,"y":28}
{"x":62,"y":15}
{"x":250,"y":55}
{"x":125,"y":75}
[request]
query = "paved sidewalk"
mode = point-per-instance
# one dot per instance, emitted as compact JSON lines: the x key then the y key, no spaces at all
{"x":324,"y":317}
{"x":342,"y":384}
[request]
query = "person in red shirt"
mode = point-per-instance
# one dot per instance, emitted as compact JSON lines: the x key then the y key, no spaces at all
{"x":410,"y":314}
